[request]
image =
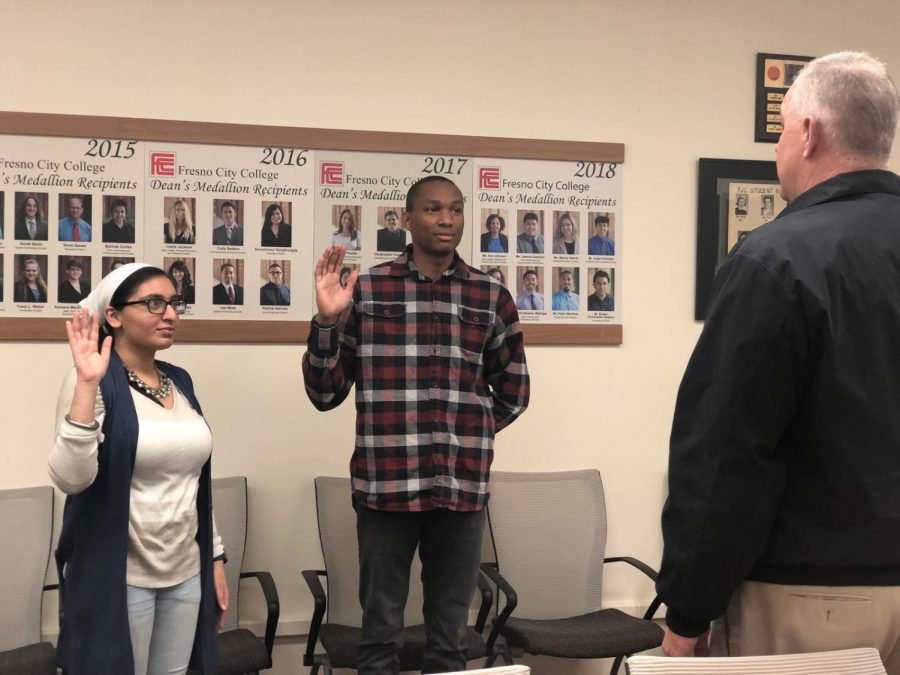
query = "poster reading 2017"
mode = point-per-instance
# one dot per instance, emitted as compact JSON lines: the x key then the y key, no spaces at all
{"x":238,"y":228}
{"x":361,"y":201}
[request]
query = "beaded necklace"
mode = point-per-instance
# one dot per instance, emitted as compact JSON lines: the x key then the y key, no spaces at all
{"x":153,"y":393}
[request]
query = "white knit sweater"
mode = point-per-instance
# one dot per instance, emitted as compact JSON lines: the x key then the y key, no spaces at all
{"x":173,"y":445}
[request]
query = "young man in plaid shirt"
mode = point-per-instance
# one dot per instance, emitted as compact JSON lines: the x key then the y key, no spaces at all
{"x":436,"y":352}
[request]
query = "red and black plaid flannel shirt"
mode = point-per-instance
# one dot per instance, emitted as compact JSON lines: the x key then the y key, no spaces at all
{"x":439,"y":368}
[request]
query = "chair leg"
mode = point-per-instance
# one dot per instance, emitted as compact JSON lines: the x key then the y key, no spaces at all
{"x":321,"y":661}
{"x":616,"y":663}
{"x":501,"y":650}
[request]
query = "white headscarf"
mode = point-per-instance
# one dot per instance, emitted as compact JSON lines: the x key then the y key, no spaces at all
{"x":100,"y":297}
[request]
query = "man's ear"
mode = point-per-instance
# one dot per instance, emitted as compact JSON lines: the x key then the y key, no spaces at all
{"x":404,"y":220}
{"x":112,"y":318}
{"x":813,"y":135}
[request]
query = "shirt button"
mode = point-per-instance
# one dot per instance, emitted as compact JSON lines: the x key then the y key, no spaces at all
{"x":387,"y":312}
{"x":434,"y":385}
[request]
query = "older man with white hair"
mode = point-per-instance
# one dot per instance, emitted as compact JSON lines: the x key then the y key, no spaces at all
{"x":783,"y":517}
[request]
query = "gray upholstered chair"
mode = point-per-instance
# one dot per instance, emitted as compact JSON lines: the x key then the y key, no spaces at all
{"x":863,"y":661}
{"x":238,"y":650}
{"x":549,"y":534}
{"x":498,"y":670}
{"x":26,"y":526}
{"x":341,"y":633}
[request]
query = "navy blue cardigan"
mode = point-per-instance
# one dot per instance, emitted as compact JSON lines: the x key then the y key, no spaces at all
{"x":91,"y":557}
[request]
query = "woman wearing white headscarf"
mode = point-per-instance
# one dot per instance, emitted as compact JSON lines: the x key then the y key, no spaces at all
{"x":139,"y":586}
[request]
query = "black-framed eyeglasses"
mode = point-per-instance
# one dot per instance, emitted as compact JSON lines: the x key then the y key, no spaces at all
{"x":158,"y":305}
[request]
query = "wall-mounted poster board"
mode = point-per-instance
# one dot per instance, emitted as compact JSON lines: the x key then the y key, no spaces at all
{"x":249,"y":208}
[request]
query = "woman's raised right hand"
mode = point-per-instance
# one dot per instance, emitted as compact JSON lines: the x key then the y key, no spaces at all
{"x":90,"y":362}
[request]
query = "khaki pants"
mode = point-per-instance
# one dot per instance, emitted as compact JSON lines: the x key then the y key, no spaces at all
{"x":766,"y":619}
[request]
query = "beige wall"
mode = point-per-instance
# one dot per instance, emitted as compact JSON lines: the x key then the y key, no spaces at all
{"x":671,"y":80}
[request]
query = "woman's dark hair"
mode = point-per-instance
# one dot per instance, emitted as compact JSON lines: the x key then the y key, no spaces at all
{"x":487,"y":222}
{"x":345,"y":272}
{"x":267,"y":221}
{"x":340,"y":226}
{"x":179,"y":265}
{"x":135,"y":279}
{"x":498,"y":271}
{"x":20,"y":212}
{"x":124,"y":291}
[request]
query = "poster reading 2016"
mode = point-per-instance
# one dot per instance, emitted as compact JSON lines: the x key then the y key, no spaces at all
{"x":232,"y":226}
{"x":238,"y":228}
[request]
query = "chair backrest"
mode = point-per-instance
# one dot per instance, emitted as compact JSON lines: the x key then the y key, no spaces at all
{"x":862,"y":661}
{"x":337,"y":532}
{"x":549,"y":532}
{"x":230,"y":509}
{"x":499,"y":670}
{"x":26,"y":526}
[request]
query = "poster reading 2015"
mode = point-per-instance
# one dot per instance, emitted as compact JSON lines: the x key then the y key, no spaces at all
{"x":69,"y":210}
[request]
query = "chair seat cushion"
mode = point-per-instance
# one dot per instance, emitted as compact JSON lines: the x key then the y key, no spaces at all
{"x":341,"y":642}
{"x":36,"y":659}
{"x":240,"y":651}
{"x":602,"y":634}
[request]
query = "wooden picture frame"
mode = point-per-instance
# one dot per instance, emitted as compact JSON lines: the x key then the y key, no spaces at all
{"x":775,"y":73}
{"x":295,"y":332}
{"x":719,"y":222}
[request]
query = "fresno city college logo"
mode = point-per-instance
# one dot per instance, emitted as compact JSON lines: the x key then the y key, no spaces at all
{"x":489,"y":177}
{"x":162,"y":163}
{"x":331,"y":173}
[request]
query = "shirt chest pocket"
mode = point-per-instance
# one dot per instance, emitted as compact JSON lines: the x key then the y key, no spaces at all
{"x":474,"y":330}
{"x":385,"y":324}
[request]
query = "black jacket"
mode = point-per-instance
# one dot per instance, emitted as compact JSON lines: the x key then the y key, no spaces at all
{"x":220,"y":296}
{"x":21,"y":293}
{"x":784,"y":460}
{"x":113,"y":234}
{"x":486,"y":241}
{"x":67,"y":293}
{"x":21,"y":230}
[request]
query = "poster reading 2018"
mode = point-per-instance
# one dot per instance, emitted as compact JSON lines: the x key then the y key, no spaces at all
{"x":551,"y":232}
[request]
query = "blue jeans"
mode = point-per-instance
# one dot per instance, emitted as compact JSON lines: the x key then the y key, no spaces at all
{"x":449,"y":545}
{"x":163,"y":622}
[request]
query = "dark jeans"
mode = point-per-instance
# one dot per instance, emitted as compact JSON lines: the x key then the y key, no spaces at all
{"x":450,"y":549}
